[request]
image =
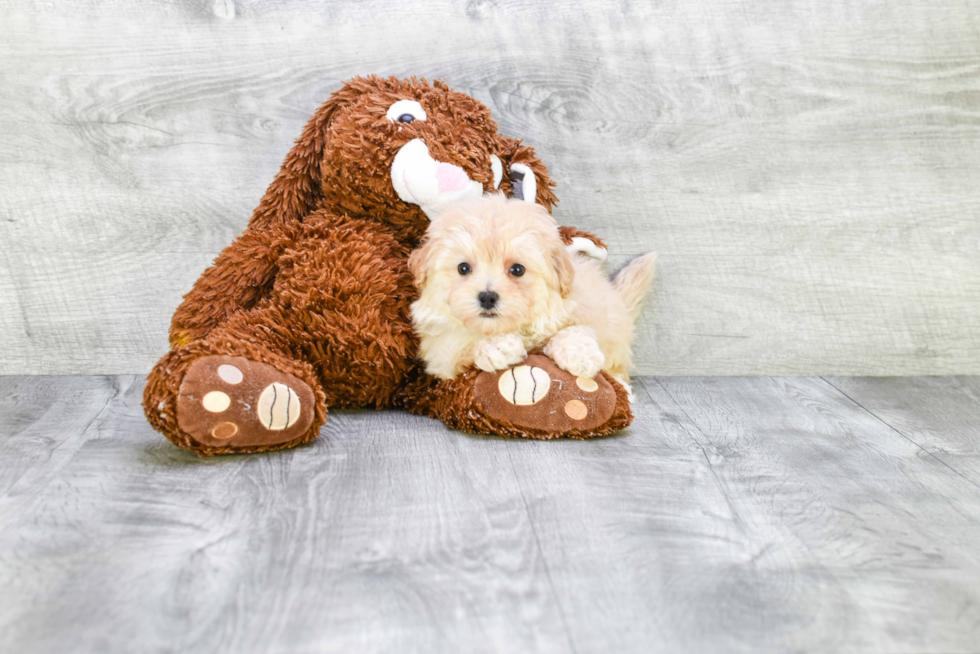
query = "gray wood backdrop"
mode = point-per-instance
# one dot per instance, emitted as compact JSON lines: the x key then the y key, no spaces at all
{"x":808,"y":171}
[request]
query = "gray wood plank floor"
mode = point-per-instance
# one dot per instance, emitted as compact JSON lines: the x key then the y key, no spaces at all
{"x":736,"y":514}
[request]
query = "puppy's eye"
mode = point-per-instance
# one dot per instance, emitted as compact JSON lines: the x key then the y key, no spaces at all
{"x":405,"y":111}
{"x":517,"y":270}
{"x":464,"y":269}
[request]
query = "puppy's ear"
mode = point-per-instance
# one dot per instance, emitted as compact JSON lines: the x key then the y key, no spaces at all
{"x":296,"y":189}
{"x":418,"y":263}
{"x":563,"y":267}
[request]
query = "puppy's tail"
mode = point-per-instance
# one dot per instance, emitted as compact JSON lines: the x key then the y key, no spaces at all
{"x":633,"y":282}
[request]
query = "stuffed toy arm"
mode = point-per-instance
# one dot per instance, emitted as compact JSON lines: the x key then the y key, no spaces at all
{"x":241,"y":275}
{"x":584,"y":242}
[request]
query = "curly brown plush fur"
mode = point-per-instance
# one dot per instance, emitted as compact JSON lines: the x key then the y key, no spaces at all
{"x":316,"y":291}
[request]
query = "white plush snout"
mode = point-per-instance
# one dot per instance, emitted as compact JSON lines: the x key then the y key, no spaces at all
{"x":420,"y":179}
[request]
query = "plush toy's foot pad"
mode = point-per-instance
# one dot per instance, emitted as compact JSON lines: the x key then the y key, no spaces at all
{"x":541,"y":396}
{"x":227,"y":401}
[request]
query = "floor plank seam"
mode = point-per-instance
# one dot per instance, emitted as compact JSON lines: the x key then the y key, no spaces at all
{"x":900,"y":433}
{"x":118,"y":391}
{"x":736,"y":515}
{"x":544,"y":559}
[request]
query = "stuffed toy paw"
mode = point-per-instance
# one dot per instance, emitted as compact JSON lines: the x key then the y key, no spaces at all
{"x":540,"y":396}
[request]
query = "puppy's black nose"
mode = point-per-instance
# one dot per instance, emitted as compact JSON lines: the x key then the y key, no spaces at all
{"x":488,"y":299}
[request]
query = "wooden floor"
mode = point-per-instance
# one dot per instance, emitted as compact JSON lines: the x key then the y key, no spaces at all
{"x":735,"y":515}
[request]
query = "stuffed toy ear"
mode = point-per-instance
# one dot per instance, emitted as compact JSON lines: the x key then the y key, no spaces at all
{"x":564,"y":268}
{"x":295,"y":191}
{"x":525,"y":177}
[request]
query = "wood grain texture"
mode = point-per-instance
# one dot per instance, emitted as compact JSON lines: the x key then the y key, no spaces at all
{"x":748,"y":515}
{"x":735,"y":515}
{"x":807,"y":172}
{"x":830,"y":516}
{"x":939,"y":414}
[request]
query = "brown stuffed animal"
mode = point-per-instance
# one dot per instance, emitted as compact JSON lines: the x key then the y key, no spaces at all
{"x":308,"y":308}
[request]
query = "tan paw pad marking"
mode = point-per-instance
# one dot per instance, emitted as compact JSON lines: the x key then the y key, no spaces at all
{"x":216,"y":401}
{"x":230,"y":374}
{"x":576,"y":409}
{"x":524,"y":385}
{"x":587,"y":384}
{"x":278,"y":407}
{"x":224,"y":430}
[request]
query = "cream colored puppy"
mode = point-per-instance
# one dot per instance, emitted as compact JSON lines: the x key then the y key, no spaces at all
{"x":496,"y":281}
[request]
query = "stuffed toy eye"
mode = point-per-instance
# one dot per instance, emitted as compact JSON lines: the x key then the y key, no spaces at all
{"x":464,"y":269}
{"x":405,"y":111}
{"x":517,"y":270}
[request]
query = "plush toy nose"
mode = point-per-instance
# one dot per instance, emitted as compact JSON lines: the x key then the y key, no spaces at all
{"x":488,"y":299}
{"x":450,"y":177}
{"x":419,"y":179}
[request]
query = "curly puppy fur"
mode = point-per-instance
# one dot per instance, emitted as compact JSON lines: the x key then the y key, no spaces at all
{"x":496,"y":281}
{"x":318,"y":285}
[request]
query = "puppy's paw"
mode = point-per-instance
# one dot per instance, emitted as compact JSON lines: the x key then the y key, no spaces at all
{"x":499,"y":353}
{"x":576,"y":350}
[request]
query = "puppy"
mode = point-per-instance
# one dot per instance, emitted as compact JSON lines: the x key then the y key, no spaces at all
{"x":496,"y":281}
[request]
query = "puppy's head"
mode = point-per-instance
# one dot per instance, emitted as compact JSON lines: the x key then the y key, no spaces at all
{"x":496,"y":265}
